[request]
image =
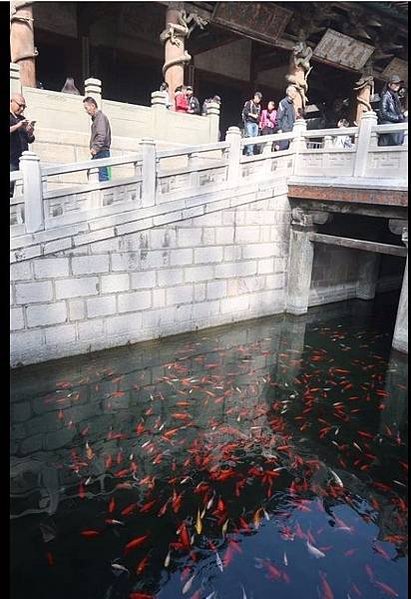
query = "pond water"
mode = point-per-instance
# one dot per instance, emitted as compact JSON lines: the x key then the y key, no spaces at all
{"x":264,"y":459}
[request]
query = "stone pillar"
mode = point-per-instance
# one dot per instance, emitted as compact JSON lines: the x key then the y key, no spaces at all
{"x":368,"y":122}
{"x":149,"y":175}
{"x":22,"y":50}
{"x":233,"y":137}
{"x":395,"y":414}
{"x":213,"y":116}
{"x":33,"y":192}
{"x":298,"y":143}
{"x":300,"y":262}
{"x":400,"y":339}
{"x":368,"y":271}
{"x":92,"y":88}
{"x":159,"y":122}
{"x":15,"y":83}
{"x":175,"y":56}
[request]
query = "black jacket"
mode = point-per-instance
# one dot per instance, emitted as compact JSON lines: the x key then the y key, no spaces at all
{"x":251,"y":112}
{"x":286,"y":115}
{"x":390,"y":108}
{"x":194,"y":105}
{"x":19,"y":140}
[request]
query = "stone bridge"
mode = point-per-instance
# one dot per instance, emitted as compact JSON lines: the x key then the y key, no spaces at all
{"x":201,"y":236}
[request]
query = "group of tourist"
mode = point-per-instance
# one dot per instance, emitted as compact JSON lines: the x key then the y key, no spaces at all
{"x":186,"y":101}
{"x":259,"y":121}
{"x":256,"y":120}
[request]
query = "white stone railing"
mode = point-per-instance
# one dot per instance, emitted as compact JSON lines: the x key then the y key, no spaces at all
{"x":157,"y":178}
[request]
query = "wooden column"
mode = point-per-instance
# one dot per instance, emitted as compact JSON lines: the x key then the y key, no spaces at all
{"x":364,"y":89}
{"x":175,"y":56}
{"x":22,"y":50}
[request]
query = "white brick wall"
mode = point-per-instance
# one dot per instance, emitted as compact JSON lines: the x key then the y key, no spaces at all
{"x":199,"y":271}
{"x":134,"y":302}
{"x":83,"y":287}
{"x":87,"y":265}
{"x":115,"y":283}
{"x":45,"y":314}
{"x":51,"y":267}
{"x":16,"y":319}
{"x":31,"y":293}
{"x":101,"y":306}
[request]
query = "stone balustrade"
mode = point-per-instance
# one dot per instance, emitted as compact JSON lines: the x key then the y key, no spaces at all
{"x":151,"y":178}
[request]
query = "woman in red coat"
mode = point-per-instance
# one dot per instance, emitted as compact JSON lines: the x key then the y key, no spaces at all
{"x":180,"y":99}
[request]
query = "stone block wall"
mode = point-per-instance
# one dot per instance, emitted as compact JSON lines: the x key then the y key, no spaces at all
{"x":335,"y":275}
{"x":225,"y":266}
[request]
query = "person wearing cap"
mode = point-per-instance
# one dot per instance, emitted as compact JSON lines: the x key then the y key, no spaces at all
{"x":391,"y":112}
{"x":193,"y":103}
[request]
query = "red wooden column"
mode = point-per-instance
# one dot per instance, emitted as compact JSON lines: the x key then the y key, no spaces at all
{"x":22,"y":49}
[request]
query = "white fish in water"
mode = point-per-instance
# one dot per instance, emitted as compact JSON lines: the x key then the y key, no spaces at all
{"x":285,"y":560}
{"x":266,"y":516}
{"x":211,"y":595}
{"x":244,"y":593}
{"x":188,"y":584}
{"x":219,"y":562}
{"x":119,"y":568}
{"x":314,"y":551}
{"x":397,"y":482}
{"x":337,"y":478}
{"x":357,"y":446}
{"x":167,"y":560}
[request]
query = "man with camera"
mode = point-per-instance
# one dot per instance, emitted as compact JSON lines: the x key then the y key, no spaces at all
{"x":21,"y":133}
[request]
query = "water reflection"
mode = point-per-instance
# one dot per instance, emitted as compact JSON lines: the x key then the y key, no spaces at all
{"x":264,"y":458}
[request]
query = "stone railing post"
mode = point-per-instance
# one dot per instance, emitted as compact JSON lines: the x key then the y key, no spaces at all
{"x":94,"y":197}
{"x":158,"y":100}
{"x":33,"y":192}
{"x":194,"y":162}
{"x":400,"y":338}
{"x":213,"y":116}
{"x":233,"y":137}
{"x":298,"y":143}
{"x":15,"y":83}
{"x":159,"y":122}
{"x":148,"y":171}
{"x":368,"y":122}
{"x":92,"y":88}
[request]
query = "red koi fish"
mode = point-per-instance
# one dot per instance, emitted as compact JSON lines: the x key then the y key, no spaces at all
{"x":184,"y":536}
{"x":147,"y":507}
{"x":141,"y":566}
{"x":386,"y":589}
{"x":134,"y":544}
{"x":89,"y":534}
{"x":326,"y":589}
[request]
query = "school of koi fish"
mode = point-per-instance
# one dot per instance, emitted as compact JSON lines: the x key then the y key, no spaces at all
{"x":271,"y":467}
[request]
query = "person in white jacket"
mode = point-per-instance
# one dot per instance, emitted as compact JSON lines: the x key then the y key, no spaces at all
{"x":343,"y":141}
